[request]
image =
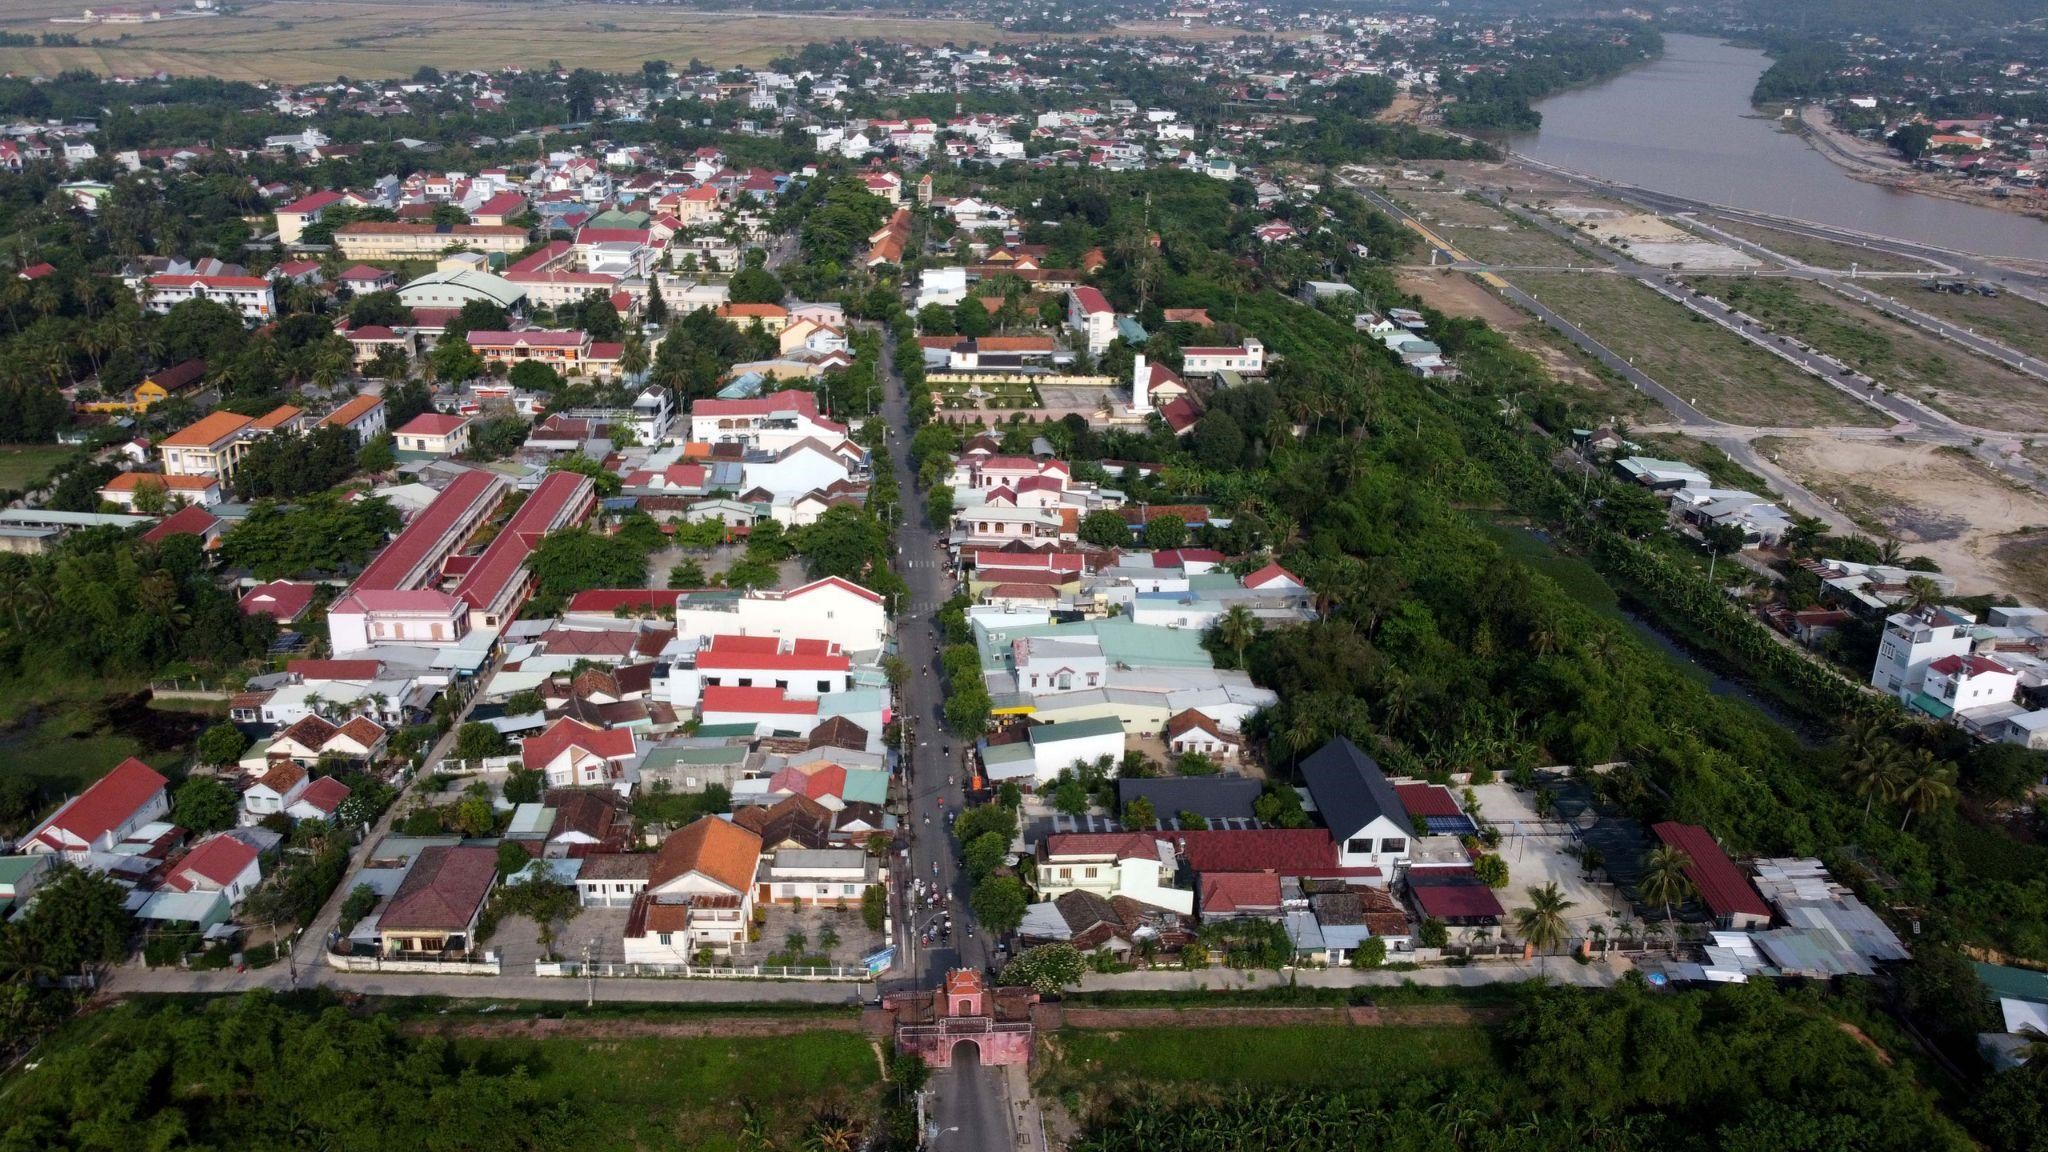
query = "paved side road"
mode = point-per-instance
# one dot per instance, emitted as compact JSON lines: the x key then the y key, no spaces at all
{"x":136,"y":981}
{"x":1556,"y":969}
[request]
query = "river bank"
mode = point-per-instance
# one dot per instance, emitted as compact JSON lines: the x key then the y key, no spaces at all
{"x":1870,"y":163}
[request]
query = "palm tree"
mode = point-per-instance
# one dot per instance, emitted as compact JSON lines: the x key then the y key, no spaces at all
{"x":1664,"y":880}
{"x":1237,"y":629}
{"x":1875,"y":772}
{"x":1921,"y":593}
{"x":1542,"y":923}
{"x":1925,"y":784}
{"x":633,"y":358}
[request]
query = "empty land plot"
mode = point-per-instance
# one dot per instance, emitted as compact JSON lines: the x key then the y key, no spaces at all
{"x":1906,"y":359}
{"x":1487,"y":234}
{"x":1730,"y":378}
{"x":1817,"y":253}
{"x":2006,"y":318}
{"x":301,"y":42}
{"x":23,"y":466}
{"x":1458,"y":294}
{"x":1981,"y":528}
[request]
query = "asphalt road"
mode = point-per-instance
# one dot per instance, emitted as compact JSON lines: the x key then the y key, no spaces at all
{"x":969,"y":1109}
{"x":935,"y":775}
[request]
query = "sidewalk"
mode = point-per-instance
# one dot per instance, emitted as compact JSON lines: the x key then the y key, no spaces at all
{"x":1558,"y":970}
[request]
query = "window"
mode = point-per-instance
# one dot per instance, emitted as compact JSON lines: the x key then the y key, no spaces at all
{"x":665,"y":940}
{"x":1088,"y":873}
{"x":824,"y":686}
{"x":1394,"y":845}
{"x":1359,"y":847}
{"x":848,"y":889}
{"x":1093,"y":677}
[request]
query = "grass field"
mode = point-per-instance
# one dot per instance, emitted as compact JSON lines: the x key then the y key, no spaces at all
{"x":1906,"y":359}
{"x":64,"y":736}
{"x":1818,"y":253}
{"x":1487,"y":234}
{"x":23,"y":466}
{"x":645,"y":1092}
{"x":1730,"y":378}
{"x":298,"y":41}
{"x":2007,"y":318}
{"x":1273,"y":1056}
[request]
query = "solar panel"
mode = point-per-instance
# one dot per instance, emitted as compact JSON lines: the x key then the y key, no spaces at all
{"x":1450,"y":825}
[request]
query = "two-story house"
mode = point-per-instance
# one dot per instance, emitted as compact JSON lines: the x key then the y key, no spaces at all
{"x":1139,"y":865}
{"x":1364,"y":814}
{"x":700,"y":894}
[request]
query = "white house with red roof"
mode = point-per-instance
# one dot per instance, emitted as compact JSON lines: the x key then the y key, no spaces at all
{"x":220,"y":863}
{"x":1138,"y":865}
{"x":293,"y":219}
{"x":769,"y":709}
{"x":363,"y":278}
{"x":1274,"y":578}
{"x":564,"y":351}
{"x":832,"y":609}
{"x":1960,"y":684}
{"x":1089,"y":315}
{"x":572,"y":754}
{"x":801,"y":668}
{"x":103,"y":815}
{"x":250,"y":297}
{"x":772,"y":422}
{"x":974,"y":472}
{"x":1246,"y":359}
{"x":434,"y":433}
{"x":320,"y":801}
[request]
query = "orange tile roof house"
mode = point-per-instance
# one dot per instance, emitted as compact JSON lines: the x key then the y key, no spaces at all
{"x":123,"y":488}
{"x":700,"y":894}
{"x":214,"y":444}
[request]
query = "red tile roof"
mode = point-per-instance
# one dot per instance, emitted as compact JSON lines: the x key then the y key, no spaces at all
{"x":432,"y":424}
{"x":443,"y":891}
{"x":1286,"y":851}
{"x":1721,"y":885}
{"x":281,"y":600}
{"x":429,"y":533}
{"x":736,"y":652}
{"x":308,"y":669}
{"x":608,"y":743}
{"x":1121,"y":845}
{"x":1229,"y":892}
{"x":190,"y":520}
{"x":1457,"y":901}
{"x":218,"y":860}
{"x":109,"y":802}
{"x":325,"y":794}
{"x":504,"y":562}
{"x":764,"y":701}
{"x":1091,"y":299}
{"x":607,"y":600}
{"x":1428,"y":800}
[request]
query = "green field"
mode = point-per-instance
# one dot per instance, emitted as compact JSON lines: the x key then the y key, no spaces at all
{"x":1297,"y":1055}
{"x":1730,"y":378}
{"x":23,"y":466}
{"x":1906,"y":359}
{"x":64,"y":736}
{"x":661,"y":1092}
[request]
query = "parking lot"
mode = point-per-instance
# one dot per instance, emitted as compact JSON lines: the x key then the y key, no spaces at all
{"x":1540,"y":849}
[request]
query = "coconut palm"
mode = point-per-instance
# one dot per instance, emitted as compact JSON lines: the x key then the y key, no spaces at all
{"x":1925,"y":784}
{"x":1921,"y":593}
{"x":1875,"y":773}
{"x":1664,"y":880}
{"x":1237,"y":629}
{"x":1542,"y":923}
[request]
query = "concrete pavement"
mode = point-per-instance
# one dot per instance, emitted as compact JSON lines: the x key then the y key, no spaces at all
{"x":135,"y":980}
{"x":970,"y":1106}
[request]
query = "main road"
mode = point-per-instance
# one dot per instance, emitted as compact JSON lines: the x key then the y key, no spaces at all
{"x":934,"y":777}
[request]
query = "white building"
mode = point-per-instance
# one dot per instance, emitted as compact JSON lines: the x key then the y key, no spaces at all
{"x":1247,"y":359}
{"x":1911,"y":643}
{"x":1090,"y":316}
{"x":1138,"y":865}
{"x":250,"y":297}
{"x":1364,"y":814}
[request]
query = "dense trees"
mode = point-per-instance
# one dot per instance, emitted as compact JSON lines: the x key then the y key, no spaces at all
{"x":571,"y":561}
{"x":322,"y":534}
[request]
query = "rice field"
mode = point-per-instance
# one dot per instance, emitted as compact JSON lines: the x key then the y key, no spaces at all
{"x":299,"y":41}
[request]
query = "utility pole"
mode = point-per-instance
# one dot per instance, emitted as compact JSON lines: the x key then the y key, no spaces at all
{"x":589,"y":976}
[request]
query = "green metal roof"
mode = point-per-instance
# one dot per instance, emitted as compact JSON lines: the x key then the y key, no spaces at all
{"x":1077,"y":729}
{"x":661,"y":757}
{"x":13,"y":868}
{"x":725,"y":731}
{"x":2014,"y":983}
{"x":1931,"y":706}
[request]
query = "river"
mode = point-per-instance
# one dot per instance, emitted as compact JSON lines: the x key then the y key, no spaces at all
{"x":1683,"y":124}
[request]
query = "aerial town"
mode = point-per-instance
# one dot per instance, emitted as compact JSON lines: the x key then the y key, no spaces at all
{"x":1064,"y":579}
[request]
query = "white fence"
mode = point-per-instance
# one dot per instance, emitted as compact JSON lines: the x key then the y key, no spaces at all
{"x":485,"y":967}
{"x":573,"y":969}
